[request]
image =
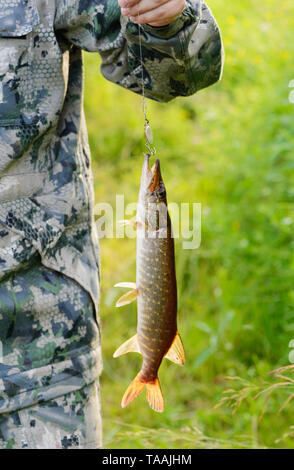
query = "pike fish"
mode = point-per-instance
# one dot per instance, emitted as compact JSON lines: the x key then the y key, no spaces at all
{"x":155,"y":290}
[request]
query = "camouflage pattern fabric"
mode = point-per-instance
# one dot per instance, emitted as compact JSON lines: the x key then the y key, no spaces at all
{"x":49,"y":336}
{"x":46,"y":187}
{"x":72,"y":421}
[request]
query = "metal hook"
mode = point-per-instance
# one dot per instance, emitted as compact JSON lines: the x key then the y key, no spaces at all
{"x":151,"y":149}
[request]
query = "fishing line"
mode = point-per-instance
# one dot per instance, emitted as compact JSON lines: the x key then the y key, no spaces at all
{"x":147,"y":128}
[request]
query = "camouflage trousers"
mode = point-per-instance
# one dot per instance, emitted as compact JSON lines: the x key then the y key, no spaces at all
{"x":50,"y":361}
{"x":71,"y":421}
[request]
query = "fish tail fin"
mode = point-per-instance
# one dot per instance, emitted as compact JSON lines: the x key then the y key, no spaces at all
{"x":154,"y":396}
{"x":133,"y":390}
{"x":153,"y":393}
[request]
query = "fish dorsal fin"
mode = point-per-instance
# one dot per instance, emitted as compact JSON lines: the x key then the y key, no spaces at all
{"x":131,"y":345}
{"x":176,"y":352}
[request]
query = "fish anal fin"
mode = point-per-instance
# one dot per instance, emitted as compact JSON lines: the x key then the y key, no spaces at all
{"x":176,"y":352}
{"x":131,"y":345}
{"x":154,"y":396}
{"x":127,"y":298}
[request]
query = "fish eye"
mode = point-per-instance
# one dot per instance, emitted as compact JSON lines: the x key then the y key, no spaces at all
{"x":161,"y":194}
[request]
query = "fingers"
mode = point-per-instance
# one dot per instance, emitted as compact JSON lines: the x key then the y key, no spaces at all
{"x":142,"y":7}
{"x":153,"y":12}
{"x":128,"y":3}
{"x":162,"y":15}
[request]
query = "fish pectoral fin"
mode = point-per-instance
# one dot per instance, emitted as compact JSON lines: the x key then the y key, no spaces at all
{"x":131,"y":285}
{"x":176,"y":352}
{"x":127,"y":298}
{"x":131,"y":345}
{"x":126,"y":222}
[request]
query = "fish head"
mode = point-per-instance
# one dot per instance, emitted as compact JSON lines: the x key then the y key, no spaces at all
{"x":152,"y":198}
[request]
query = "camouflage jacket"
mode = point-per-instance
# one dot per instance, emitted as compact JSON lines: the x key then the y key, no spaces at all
{"x":46,"y":191}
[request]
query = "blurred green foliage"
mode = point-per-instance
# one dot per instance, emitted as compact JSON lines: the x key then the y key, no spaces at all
{"x":231,"y":148}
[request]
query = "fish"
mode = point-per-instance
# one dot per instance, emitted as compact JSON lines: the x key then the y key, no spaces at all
{"x":155,"y":290}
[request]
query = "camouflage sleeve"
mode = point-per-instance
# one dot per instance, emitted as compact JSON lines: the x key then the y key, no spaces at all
{"x":178,"y":59}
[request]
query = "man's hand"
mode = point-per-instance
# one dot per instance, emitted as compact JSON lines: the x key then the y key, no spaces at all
{"x":152,"y":12}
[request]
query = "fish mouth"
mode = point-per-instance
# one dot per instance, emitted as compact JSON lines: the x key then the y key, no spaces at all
{"x":154,"y":179}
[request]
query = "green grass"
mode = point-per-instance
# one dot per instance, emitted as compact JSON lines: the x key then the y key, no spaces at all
{"x":230,"y":147}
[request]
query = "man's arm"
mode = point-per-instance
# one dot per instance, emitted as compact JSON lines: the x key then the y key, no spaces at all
{"x":178,"y":59}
